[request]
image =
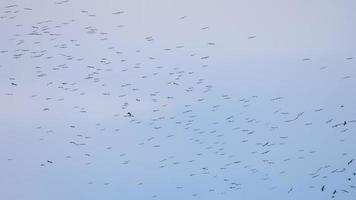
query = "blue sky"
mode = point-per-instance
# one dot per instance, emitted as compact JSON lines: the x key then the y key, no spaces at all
{"x":214,"y":87}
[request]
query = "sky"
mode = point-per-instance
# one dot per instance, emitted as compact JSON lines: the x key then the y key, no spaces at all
{"x":214,"y":99}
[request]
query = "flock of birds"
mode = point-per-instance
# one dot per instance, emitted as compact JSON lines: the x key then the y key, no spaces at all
{"x":145,"y":113}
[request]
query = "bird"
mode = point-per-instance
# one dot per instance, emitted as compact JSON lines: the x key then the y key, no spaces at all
{"x":348,"y":163}
{"x":290,"y":190}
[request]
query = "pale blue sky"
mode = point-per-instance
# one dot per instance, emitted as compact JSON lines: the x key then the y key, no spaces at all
{"x":204,"y":126}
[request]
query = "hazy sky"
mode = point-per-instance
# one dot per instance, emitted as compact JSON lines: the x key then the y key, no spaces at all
{"x":229,"y":99}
